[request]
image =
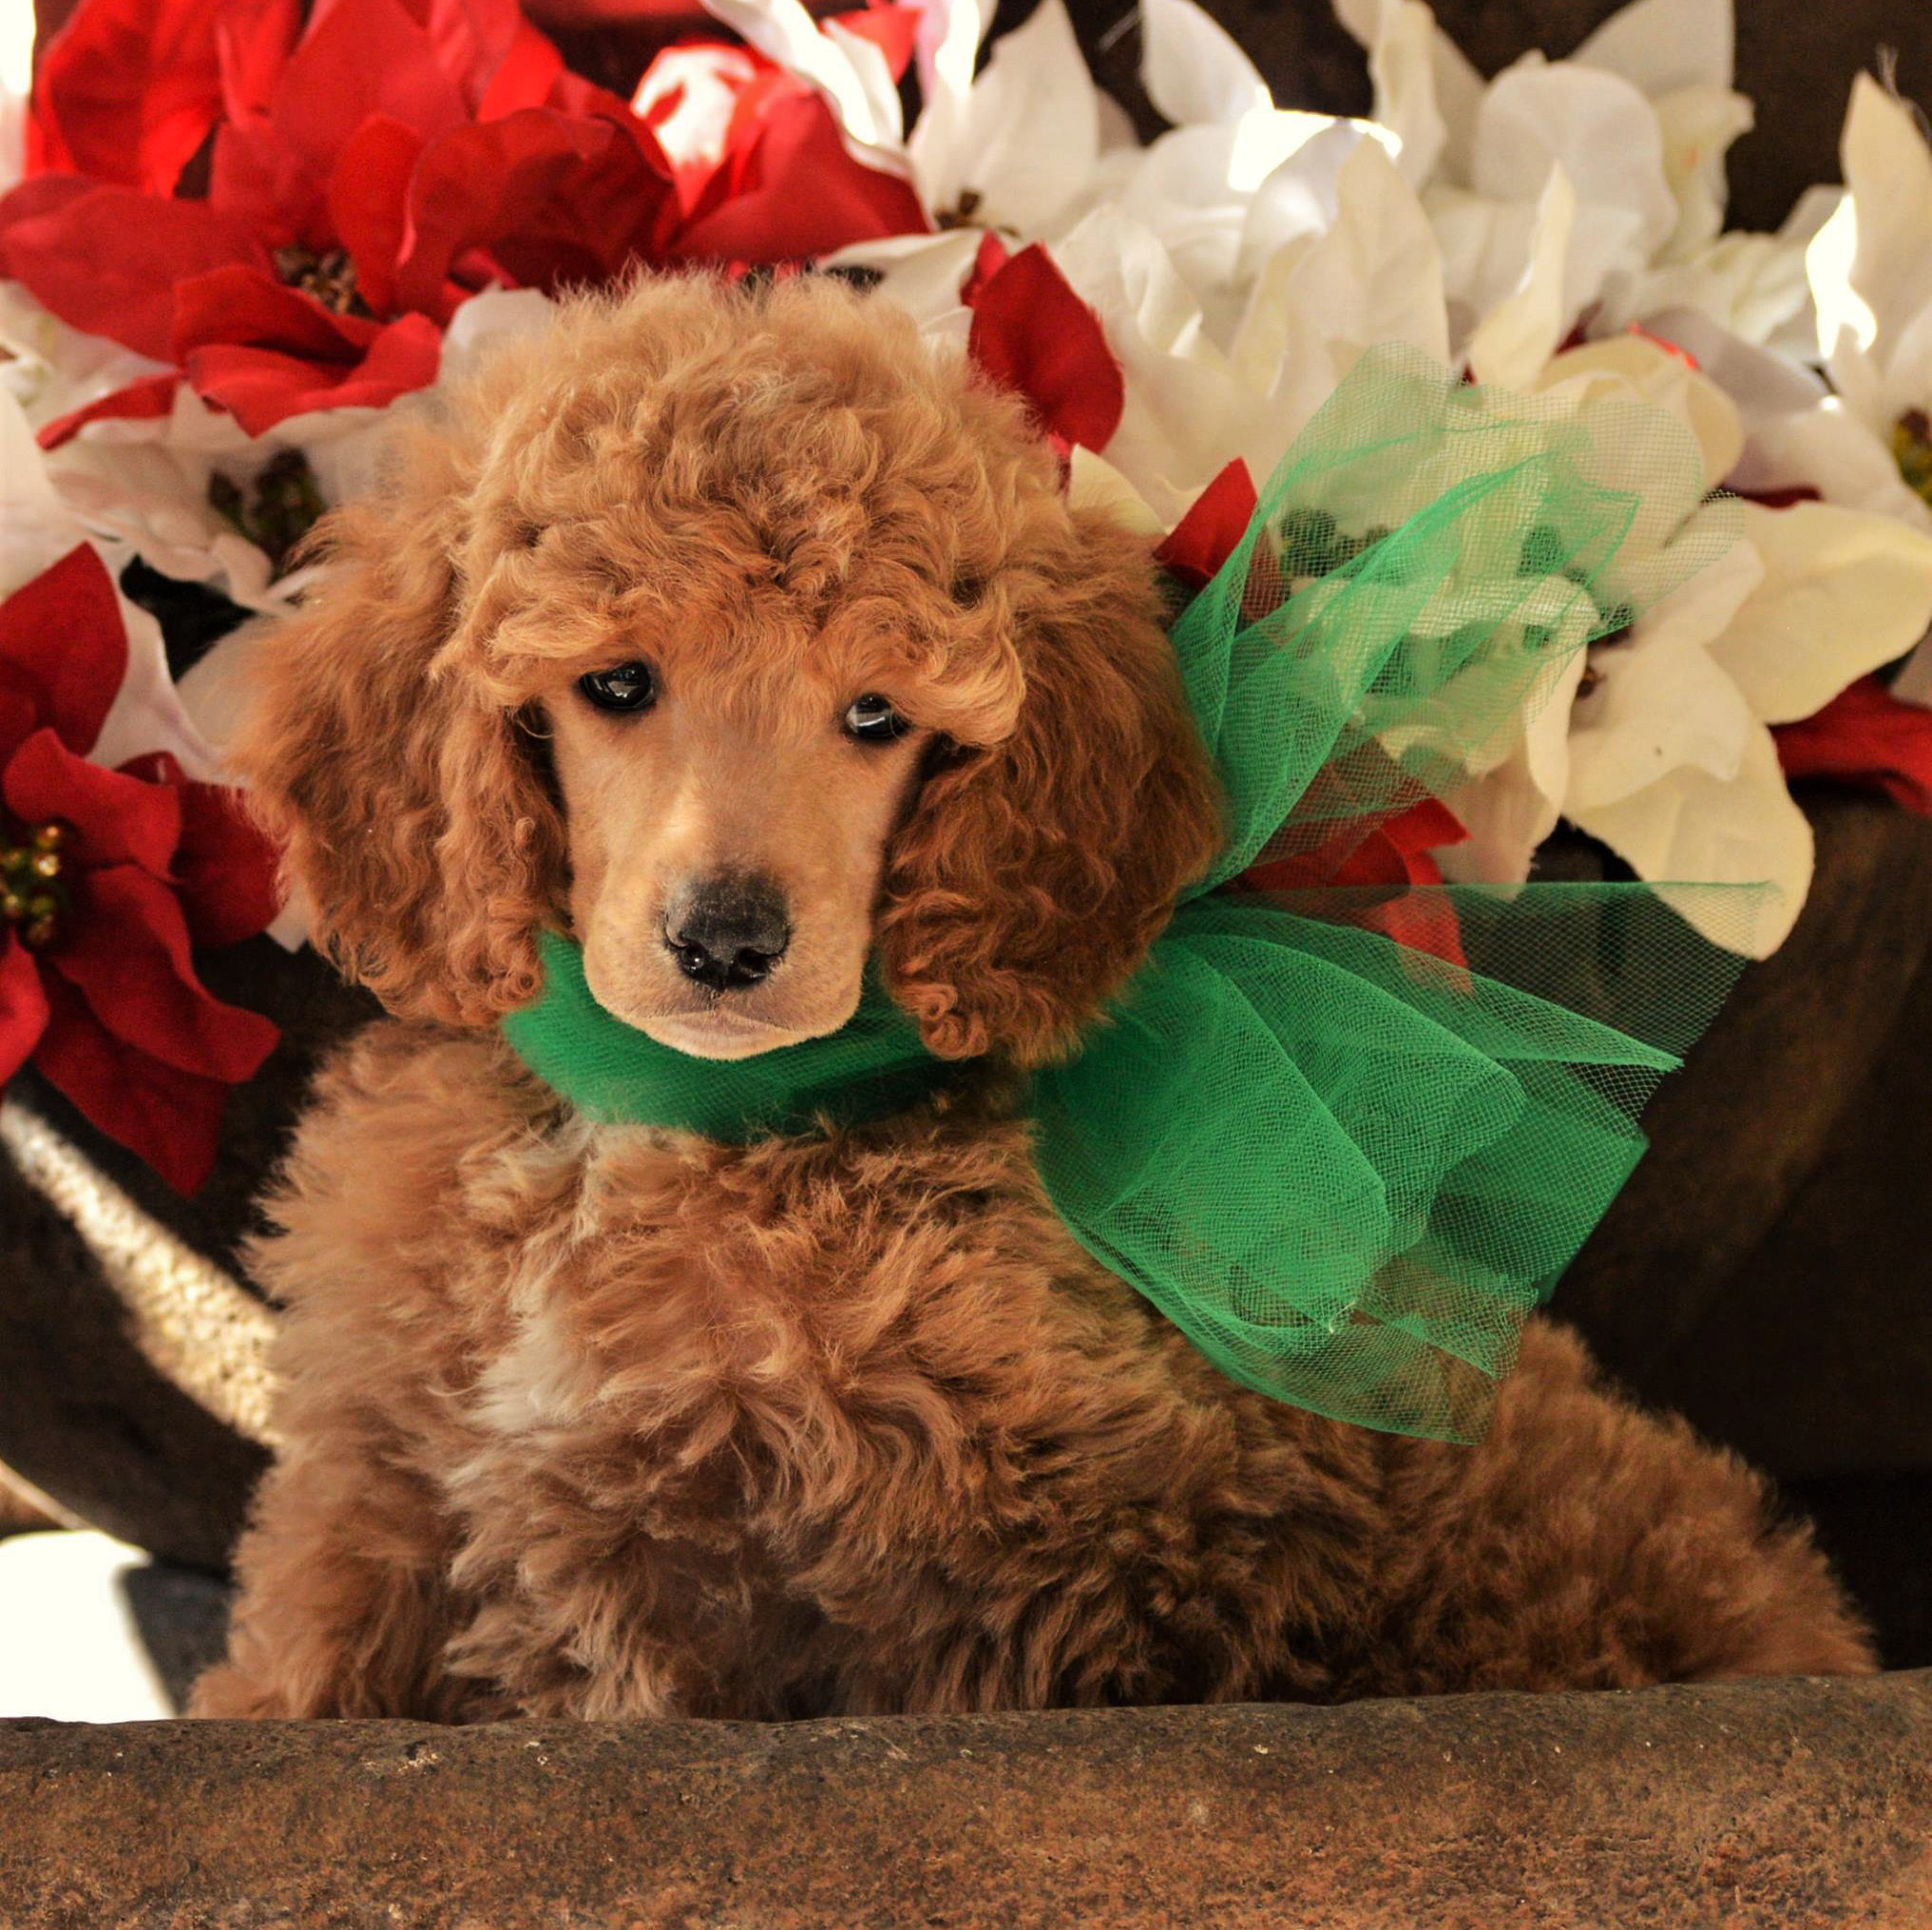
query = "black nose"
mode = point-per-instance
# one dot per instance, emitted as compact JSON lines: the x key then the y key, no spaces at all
{"x":728,"y":932}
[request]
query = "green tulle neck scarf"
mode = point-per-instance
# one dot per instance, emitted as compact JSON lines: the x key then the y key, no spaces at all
{"x":1346,"y":1137}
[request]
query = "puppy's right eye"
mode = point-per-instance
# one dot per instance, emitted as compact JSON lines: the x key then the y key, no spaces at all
{"x":629,"y":687}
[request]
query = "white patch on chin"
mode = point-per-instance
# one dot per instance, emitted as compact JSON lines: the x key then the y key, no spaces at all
{"x":721,"y":1034}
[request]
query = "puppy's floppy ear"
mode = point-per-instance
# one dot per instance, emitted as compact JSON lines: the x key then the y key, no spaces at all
{"x":409,"y":808}
{"x":1032,"y":876}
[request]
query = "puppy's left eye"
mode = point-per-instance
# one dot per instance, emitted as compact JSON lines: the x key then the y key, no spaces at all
{"x":872,"y":720}
{"x":628,"y":687}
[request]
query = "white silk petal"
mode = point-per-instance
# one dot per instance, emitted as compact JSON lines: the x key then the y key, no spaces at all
{"x":1662,"y":44}
{"x":1888,"y":169}
{"x":1698,"y":125}
{"x":1519,"y":334}
{"x":1693,"y":828}
{"x":1843,"y":594}
{"x":1093,"y":482}
{"x":1630,"y":364}
{"x":1600,"y":128}
{"x":1511,"y":809}
{"x":1024,"y":139}
{"x":786,"y":34}
{"x":1194,"y":72}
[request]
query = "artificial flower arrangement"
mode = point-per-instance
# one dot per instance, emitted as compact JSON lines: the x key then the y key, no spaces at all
{"x":234,"y":232}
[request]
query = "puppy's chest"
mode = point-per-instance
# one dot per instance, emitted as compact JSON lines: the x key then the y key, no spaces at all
{"x":763,"y":1312}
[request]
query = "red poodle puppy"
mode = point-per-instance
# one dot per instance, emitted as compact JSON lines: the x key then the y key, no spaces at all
{"x":739,"y":639}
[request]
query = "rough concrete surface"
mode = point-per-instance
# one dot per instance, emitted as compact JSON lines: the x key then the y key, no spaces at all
{"x":1791,"y":1802}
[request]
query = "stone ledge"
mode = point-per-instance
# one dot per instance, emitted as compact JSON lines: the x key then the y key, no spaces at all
{"x":1787,"y":1802}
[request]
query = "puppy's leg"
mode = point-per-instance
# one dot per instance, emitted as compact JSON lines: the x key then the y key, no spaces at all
{"x":343,"y":1609}
{"x":1584,"y":1544}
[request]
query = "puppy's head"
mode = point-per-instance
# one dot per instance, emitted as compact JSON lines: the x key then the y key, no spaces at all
{"x":741,"y":639}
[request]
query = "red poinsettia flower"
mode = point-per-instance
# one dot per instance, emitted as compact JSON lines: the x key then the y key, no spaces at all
{"x":401,"y":155}
{"x":128,"y":91}
{"x":108,"y":880}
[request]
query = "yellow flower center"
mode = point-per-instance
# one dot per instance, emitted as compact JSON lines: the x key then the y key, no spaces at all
{"x":1912,"y":444}
{"x":330,"y":277}
{"x":33,"y":895}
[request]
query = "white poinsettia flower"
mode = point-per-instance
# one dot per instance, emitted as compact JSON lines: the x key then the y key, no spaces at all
{"x":849,"y":70}
{"x":1637,"y":119}
{"x":1208,"y":381}
{"x":1667,"y":756}
{"x":1015,"y":148}
{"x":1871,"y":276}
{"x":149,"y":487}
{"x":1483,"y":157}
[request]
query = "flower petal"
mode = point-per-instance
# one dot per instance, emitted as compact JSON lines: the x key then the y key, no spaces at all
{"x":225,"y":870}
{"x":128,"y":956}
{"x":1888,"y":168}
{"x":117,"y":820}
{"x":147,"y":400}
{"x":1519,"y":334}
{"x":1865,"y":735}
{"x":170,"y":1118}
{"x":1034,"y":336}
{"x":1691,"y":829}
{"x":1017,"y":149}
{"x":1842,"y":594}
{"x":1192,"y":69}
{"x":798,"y":192}
{"x":263,"y":387}
{"x":61,"y":640}
{"x":552,"y":198}
{"x":1208,"y":535}
{"x":369,"y":199}
{"x":1663,"y":45}
{"x":127,"y":89}
{"x":108,"y":259}
{"x":23,"y":1005}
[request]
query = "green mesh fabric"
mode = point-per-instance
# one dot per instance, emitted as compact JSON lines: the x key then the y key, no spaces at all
{"x":875,"y":1066}
{"x":1345,"y":1166}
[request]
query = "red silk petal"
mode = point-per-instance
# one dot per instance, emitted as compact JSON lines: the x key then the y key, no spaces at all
{"x":262,"y":387}
{"x":1781,"y":499}
{"x":531,"y":71}
{"x":359,"y":58}
{"x":369,"y":196}
{"x":473,"y":39}
{"x":23,"y":1005}
{"x":127,"y":89}
{"x":225,"y":870}
{"x":1865,"y":736}
{"x":107,"y":260}
{"x":1208,"y":535}
{"x":113,"y":819}
{"x":62,"y":646}
{"x":127,"y":953}
{"x":552,"y":198}
{"x":1033,"y":334}
{"x":146,"y":400}
{"x":793,"y":192}
{"x":251,"y":47}
{"x":894,"y":30}
{"x":988,"y":258}
{"x":244,"y":305}
{"x":170,"y":1118}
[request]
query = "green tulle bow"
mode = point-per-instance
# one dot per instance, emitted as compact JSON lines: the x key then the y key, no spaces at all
{"x":1345,"y":1139}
